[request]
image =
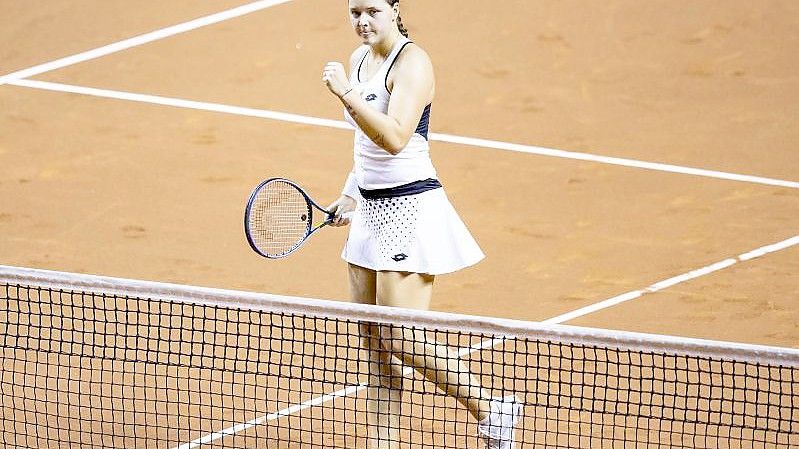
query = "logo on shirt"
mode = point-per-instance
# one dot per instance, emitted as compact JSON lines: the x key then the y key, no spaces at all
{"x":400,"y":257}
{"x":371,"y":97}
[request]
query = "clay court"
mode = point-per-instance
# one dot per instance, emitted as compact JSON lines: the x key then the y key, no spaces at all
{"x":594,"y":149}
{"x":146,"y":191}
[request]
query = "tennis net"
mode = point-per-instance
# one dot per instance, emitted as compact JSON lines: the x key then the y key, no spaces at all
{"x":97,"y":362}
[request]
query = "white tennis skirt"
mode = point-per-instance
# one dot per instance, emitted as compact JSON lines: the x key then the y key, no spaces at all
{"x":416,"y":233}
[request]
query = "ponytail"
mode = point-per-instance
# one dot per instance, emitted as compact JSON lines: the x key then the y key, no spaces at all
{"x":402,"y":29}
{"x":400,"y":26}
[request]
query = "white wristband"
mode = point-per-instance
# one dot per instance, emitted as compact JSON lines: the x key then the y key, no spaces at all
{"x":351,"y":187}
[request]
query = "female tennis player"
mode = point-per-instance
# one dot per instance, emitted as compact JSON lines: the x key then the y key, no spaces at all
{"x":403,"y":231}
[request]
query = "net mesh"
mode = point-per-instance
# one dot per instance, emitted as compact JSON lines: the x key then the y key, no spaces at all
{"x":278,"y":218}
{"x":87,"y":365}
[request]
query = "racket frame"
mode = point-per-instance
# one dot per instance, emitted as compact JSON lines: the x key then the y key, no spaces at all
{"x":310,"y":228}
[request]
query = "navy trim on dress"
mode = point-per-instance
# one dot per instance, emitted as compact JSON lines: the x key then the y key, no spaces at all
{"x":424,"y":122}
{"x":358,"y":74}
{"x":412,"y":188}
{"x":392,"y":63}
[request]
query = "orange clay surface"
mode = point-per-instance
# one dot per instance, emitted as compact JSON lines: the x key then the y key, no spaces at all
{"x":136,"y":190}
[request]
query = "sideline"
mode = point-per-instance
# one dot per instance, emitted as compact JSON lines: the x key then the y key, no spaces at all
{"x":140,"y":40}
{"x":662,"y":285}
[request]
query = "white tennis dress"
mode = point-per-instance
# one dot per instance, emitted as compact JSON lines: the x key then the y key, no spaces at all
{"x":404,"y":220}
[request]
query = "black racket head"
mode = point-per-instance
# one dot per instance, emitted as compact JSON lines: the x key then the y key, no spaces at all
{"x":278,"y":218}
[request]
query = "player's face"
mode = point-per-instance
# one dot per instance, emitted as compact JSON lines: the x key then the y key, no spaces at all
{"x":372,"y":20}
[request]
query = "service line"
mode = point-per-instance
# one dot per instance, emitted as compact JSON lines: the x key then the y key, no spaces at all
{"x":470,"y":141}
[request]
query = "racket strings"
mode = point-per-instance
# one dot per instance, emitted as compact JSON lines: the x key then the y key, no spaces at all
{"x":279,"y":219}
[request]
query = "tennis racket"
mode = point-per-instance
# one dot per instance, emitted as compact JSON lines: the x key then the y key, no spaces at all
{"x":279,"y":218}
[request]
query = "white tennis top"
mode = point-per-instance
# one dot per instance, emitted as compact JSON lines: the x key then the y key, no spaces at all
{"x":374,"y":167}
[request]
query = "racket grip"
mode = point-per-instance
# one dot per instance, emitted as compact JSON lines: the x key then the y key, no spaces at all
{"x":331,"y":217}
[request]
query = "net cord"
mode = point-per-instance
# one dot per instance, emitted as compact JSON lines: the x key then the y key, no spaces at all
{"x":103,"y":285}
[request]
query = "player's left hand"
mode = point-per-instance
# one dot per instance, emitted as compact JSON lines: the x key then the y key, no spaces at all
{"x":335,"y":78}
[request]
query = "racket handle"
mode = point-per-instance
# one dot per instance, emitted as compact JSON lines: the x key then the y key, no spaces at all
{"x":330,"y":217}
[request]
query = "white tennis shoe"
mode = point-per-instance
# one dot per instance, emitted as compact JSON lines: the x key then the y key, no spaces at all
{"x":497,"y":429}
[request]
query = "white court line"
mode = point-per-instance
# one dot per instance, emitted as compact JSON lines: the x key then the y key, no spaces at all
{"x":658,"y":286}
{"x":272,"y":416}
{"x":139,"y":40}
{"x":613,"y":160}
{"x":319,"y":400}
{"x":188,"y":104}
{"x":726,"y":263}
{"x":303,"y":119}
{"x":16,"y":78}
